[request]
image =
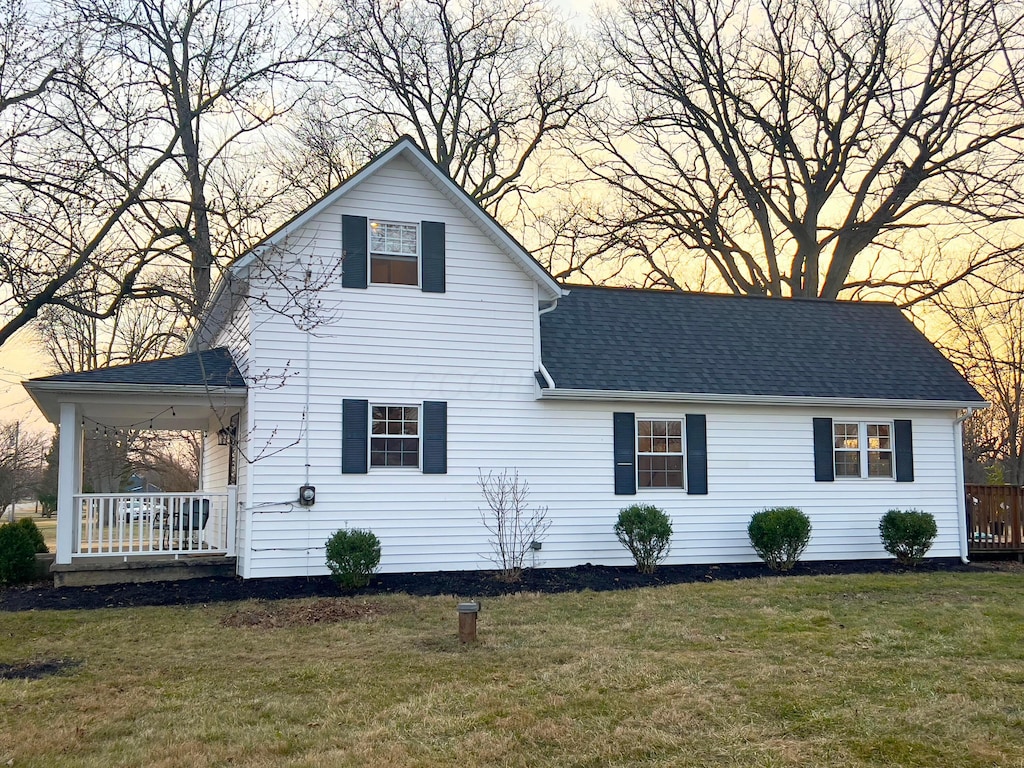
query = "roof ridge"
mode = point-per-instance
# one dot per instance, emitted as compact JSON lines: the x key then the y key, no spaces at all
{"x":716,"y":295}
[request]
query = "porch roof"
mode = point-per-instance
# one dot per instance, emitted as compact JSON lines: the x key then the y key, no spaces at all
{"x":171,"y":393}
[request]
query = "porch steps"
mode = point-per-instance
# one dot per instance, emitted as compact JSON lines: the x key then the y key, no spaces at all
{"x":93,"y":571}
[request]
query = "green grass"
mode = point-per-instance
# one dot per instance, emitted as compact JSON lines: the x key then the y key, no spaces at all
{"x":913,"y":670}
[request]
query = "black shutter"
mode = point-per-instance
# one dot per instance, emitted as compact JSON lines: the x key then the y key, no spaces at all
{"x":354,"y":429}
{"x":432,"y":254}
{"x":824,"y":464}
{"x":624,"y":441}
{"x":435,"y":438}
{"x":904,"y":444}
{"x":696,"y":454}
{"x":353,"y":243}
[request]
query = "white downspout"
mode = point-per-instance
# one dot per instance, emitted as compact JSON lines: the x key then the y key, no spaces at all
{"x":540,"y":360}
{"x":961,"y":504}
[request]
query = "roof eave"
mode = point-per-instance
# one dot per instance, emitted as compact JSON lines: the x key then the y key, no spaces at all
{"x":47,"y":395}
{"x":739,"y":399}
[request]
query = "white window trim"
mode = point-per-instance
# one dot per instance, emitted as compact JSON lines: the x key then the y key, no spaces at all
{"x":370,"y":252}
{"x":419,"y":438}
{"x":862,"y":448}
{"x":637,"y":453}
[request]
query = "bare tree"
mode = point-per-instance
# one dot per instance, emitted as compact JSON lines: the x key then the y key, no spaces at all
{"x":133,"y":137}
{"x":21,"y":461}
{"x":481,"y":85}
{"x":70,"y":182}
{"x":216,"y":73}
{"x":985,"y":339}
{"x":814,"y":147}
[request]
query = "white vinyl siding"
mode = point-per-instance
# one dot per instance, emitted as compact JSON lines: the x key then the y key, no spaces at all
{"x":474,"y":347}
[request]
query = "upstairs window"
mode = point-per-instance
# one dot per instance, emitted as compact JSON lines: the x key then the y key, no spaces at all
{"x":659,"y":453}
{"x":862,"y":449}
{"x":394,"y":252}
{"x":395,"y":436}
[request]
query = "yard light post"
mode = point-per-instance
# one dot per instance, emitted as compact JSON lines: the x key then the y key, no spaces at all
{"x":467,"y":622}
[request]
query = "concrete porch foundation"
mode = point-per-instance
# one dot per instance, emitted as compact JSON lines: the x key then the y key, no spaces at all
{"x":89,"y":572}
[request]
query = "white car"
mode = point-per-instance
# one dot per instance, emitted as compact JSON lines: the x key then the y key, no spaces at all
{"x":134,"y":509}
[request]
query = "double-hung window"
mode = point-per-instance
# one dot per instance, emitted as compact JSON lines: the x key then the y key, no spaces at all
{"x":659,"y":453}
{"x":394,"y":252}
{"x":395,"y":436}
{"x":862,"y":449}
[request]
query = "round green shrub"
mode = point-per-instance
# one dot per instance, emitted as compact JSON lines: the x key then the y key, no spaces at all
{"x":646,"y":532}
{"x":779,"y":536}
{"x":908,"y":535}
{"x":34,"y":534}
{"x":17,"y":555}
{"x":353,"y":555}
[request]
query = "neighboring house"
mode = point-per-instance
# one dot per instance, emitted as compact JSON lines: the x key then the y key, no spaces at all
{"x":444,"y":351}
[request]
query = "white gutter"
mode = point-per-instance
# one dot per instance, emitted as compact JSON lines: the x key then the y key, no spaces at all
{"x":961,"y":503}
{"x":540,"y":361}
{"x":718,"y":398}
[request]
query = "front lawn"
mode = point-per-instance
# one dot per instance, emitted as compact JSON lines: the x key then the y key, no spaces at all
{"x":881,"y":670}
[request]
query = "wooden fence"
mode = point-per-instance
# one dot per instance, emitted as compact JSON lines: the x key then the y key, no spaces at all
{"x":994,"y":518}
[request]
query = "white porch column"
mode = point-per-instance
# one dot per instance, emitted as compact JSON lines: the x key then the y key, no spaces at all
{"x":232,"y":518}
{"x":69,"y":480}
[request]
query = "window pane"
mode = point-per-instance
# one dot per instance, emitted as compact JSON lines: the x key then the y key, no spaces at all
{"x":675,"y":429}
{"x":389,"y":237}
{"x":397,"y":271}
{"x":879,"y":437}
{"x":846,"y":435}
{"x":398,"y":444}
{"x":644,"y":445}
{"x":879,"y":464}
{"x":660,"y":471}
{"x":847,"y":464}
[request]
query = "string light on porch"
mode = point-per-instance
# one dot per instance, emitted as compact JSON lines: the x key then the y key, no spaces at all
{"x":109,"y":429}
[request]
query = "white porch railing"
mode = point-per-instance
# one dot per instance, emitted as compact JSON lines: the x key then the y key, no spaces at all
{"x":120,"y":524}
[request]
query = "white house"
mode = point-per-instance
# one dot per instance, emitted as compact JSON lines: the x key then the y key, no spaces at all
{"x":392,"y":343}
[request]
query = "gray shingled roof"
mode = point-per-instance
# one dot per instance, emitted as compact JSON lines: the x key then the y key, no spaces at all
{"x":210,"y":368}
{"x":663,"y":341}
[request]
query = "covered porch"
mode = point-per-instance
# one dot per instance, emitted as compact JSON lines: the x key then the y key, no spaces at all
{"x":193,"y":392}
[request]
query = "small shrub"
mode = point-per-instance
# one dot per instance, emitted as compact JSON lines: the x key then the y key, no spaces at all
{"x":646,"y":532}
{"x":513,"y":524}
{"x":908,"y":535}
{"x":34,"y":534}
{"x":779,"y":536}
{"x":17,"y":555}
{"x":353,"y":555}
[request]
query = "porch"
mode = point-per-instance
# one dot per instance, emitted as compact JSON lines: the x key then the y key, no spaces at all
{"x":117,"y":536}
{"x":994,"y":519}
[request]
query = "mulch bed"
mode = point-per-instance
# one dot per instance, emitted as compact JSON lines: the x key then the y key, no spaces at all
{"x":459,"y":584}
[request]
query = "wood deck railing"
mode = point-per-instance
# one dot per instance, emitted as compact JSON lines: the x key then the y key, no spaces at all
{"x":994,"y":518}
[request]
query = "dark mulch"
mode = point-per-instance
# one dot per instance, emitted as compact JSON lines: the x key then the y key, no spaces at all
{"x":34,"y":670}
{"x":460,"y":584}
